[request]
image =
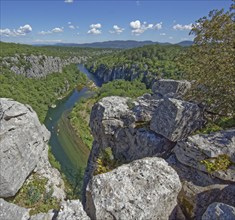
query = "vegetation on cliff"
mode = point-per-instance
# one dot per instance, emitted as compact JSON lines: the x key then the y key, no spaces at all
{"x":80,"y":115}
{"x":145,"y":63}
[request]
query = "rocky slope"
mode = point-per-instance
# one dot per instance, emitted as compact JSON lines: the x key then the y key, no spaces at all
{"x":37,"y":66}
{"x":164,"y":170}
{"x":158,"y":125}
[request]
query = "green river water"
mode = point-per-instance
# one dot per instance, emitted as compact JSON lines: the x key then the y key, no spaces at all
{"x":66,"y":146}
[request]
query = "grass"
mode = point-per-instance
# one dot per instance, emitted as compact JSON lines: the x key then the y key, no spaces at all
{"x":221,"y":123}
{"x":33,"y":195}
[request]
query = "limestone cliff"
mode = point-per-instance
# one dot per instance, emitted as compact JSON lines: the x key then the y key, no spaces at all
{"x":38,"y":66}
{"x":122,"y":72}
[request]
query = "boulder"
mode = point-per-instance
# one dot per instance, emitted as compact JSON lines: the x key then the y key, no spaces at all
{"x":22,"y":141}
{"x":175,"y":119}
{"x":193,"y":200}
{"x":219,"y":211}
{"x":144,"y":189}
{"x":9,"y":211}
{"x":43,"y":216}
{"x":198,"y":148}
{"x":72,"y":210}
{"x":169,"y":88}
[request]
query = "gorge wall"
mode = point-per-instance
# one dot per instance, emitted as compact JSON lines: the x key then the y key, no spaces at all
{"x":38,"y":66}
{"x":122,"y":72}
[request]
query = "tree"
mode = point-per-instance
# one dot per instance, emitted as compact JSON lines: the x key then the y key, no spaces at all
{"x":211,"y":62}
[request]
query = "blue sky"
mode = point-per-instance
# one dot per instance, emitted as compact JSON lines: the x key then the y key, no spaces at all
{"x":76,"y":21}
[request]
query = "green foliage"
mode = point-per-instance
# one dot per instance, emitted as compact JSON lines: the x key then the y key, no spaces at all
{"x":33,"y":195}
{"x":210,"y":62}
{"x":131,"y":89}
{"x":54,"y":163}
{"x":40,"y":93}
{"x":11,"y":49}
{"x":73,"y":185}
{"x":221,"y":123}
{"x":79,"y":118}
{"x":219,"y":163}
{"x":106,"y":162}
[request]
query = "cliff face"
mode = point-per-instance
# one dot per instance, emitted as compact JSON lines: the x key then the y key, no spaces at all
{"x":158,"y":125}
{"x":37,"y":66}
{"x":122,"y":72}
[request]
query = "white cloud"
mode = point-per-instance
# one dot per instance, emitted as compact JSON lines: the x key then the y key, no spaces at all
{"x":182,"y":27}
{"x":68,"y":1}
{"x":116,"y":30}
{"x":170,"y":37}
{"x":95,"y":29}
{"x":69,"y":22}
{"x":98,"y":25}
{"x":47,"y":41}
{"x":163,"y":34}
{"x":139,"y":28}
{"x":135,"y":24}
{"x":54,"y":30}
{"x":21,"y":31}
{"x":6,"y":32}
{"x":24,"y":29}
{"x":71,"y":27}
{"x":57,"y":30}
{"x":44,"y":32}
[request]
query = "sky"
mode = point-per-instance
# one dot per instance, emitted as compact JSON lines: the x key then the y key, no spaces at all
{"x":76,"y":21}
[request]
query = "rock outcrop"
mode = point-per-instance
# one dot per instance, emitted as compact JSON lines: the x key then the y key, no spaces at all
{"x":219,"y":211}
{"x":157,"y":125}
{"x":72,"y":210}
{"x":9,"y":211}
{"x":38,"y":66}
{"x":126,"y":129}
{"x":167,"y":88}
{"x":143,"y":189}
{"x":43,"y":216}
{"x":24,"y":149}
{"x":194,"y":200}
{"x":176,"y":119}
{"x":198,"y":148}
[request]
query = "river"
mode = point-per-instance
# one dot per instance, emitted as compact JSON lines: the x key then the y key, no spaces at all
{"x":66,"y":146}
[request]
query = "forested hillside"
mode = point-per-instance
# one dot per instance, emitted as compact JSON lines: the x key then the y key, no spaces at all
{"x":145,"y":63}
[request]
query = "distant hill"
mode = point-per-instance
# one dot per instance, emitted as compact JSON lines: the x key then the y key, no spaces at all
{"x":186,"y":43}
{"x":113,"y":44}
